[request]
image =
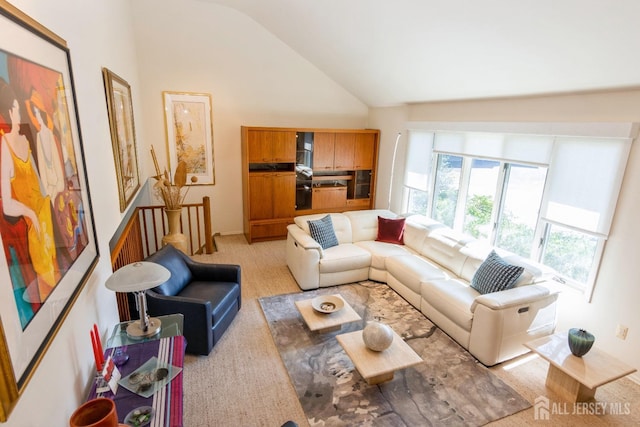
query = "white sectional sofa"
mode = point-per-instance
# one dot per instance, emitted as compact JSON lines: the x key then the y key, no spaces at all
{"x":432,"y":270}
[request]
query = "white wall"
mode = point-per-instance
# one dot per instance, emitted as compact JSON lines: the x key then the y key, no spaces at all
{"x":98,"y":33}
{"x":616,"y":293}
{"x":254,"y":80}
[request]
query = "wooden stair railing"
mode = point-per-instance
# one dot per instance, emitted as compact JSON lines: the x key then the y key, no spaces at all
{"x":143,"y":233}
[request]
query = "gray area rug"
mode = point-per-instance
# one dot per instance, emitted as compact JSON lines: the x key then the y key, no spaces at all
{"x":450,"y":388}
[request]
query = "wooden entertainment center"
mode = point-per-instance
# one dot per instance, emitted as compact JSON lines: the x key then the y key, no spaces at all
{"x":288,"y":172}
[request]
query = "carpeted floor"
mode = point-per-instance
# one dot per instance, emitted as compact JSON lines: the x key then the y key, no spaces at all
{"x":243,"y":382}
{"x":449,"y":388}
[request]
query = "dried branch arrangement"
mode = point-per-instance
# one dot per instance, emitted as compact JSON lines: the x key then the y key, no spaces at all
{"x":171,"y":191}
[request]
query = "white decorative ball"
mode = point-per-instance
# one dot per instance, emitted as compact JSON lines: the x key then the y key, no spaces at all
{"x":377,"y":336}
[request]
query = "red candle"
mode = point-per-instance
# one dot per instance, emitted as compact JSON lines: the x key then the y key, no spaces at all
{"x":98,"y":344}
{"x":96,"y":356}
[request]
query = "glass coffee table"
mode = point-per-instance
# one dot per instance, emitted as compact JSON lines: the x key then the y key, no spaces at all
{"x":170,"y":326}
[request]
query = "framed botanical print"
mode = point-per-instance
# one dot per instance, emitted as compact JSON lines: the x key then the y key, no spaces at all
{"x":123,"y":136}
{"x":48,"y":237}
{"x":188,"y":123}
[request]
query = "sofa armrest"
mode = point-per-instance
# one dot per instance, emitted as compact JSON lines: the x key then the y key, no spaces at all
{"x":503,"y":321}
{"x":302,"y":239}
{"x":198,"y":318}
{"x":511,"y":297}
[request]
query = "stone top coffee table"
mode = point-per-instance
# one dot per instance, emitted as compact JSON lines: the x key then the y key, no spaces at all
{"x":576,"y":378}
{"x":326,"y":322}
{"x":378,"y":366}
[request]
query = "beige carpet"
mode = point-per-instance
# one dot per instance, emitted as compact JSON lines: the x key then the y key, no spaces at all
{"x":243,"y":382}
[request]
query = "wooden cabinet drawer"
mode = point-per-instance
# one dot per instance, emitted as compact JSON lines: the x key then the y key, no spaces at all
{"x":329,"y":197}
{"x":269,"y":230}
{"x":358,"y":203}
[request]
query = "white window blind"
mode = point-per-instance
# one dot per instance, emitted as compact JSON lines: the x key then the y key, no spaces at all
{"x":585,"y":175}
{"x":532,"y":149}
{"x":418,"y":164}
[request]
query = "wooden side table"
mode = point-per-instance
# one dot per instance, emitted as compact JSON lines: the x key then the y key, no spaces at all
{"x":322,"y":322}
{"x":378,"y":366}
{"x":576,"y":378}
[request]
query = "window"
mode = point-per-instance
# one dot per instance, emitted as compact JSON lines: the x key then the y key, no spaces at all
{"x":480,"y":198}
{"x":547,"y":198}
{"x":523,"y":188}
{"x":417,"y":170}
{"x":445,"y":193}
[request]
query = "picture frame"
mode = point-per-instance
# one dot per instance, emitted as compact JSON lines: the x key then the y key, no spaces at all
{"x":189,"y":129}
{"x":42,"y":269}
{"x":123,"y":136}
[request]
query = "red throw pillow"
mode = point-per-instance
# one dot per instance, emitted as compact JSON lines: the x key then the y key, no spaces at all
{"x":391,"y":230}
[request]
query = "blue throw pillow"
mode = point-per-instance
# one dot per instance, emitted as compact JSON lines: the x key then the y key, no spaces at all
{"x":494,"y":275}
{"x":322,"y":232}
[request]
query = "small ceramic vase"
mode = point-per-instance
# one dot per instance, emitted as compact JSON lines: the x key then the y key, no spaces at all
{"x":580,"y":341}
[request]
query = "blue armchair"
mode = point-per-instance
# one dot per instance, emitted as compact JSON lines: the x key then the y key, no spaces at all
{"x":208,"y":295}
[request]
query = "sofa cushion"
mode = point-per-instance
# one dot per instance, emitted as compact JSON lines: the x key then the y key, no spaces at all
{"x":414,"y":235}
{"x":380,"y":251}
{"x":364,"y":224}
{"x":221,"y":295}
{"x":494,"y":275}
{"x":322,"y":232}
{"x":344,"y":257}
{"x":453,"y":298}
{"x":341,"y":225}
{"x":412,"y":270}
{"x":443,"y":246}
{"x":391,"y":230}
{"x":169,"y":257}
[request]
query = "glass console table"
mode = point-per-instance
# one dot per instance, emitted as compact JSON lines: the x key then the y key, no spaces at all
{"x":170,"y":326}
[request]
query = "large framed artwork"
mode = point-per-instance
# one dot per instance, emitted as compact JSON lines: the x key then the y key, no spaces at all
{"x":46,"y":222}
{"x":123,"y":135}
{"x":188,"y":123}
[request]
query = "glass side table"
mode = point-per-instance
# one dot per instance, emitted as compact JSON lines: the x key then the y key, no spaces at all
{"x":170,"y":326}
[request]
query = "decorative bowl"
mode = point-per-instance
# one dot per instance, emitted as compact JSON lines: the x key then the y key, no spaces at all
{"x":140,"y":416}
{"x":327,"y":303}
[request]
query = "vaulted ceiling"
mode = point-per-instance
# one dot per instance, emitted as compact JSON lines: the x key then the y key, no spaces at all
{"x":391,"y":52}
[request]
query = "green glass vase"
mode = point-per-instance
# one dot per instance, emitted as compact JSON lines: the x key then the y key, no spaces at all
{"x":580,"y":341}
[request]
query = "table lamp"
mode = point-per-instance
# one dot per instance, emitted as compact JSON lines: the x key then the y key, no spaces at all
{"x":138,"y":277}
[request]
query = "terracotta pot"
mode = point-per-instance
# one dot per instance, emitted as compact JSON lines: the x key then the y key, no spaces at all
{"x":100,"y":412}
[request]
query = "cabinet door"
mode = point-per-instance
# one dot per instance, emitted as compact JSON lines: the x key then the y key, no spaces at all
{"x":258,"y":146}
{"x":344,"y":151}
{"x":364,"y":150}
{"x":260,"y":196}
{"x":329,"y":198}
{"x":284,"y":195}
{"x":323,"y":151}
{"x":283,"y":147}
{"x":266,"y":146}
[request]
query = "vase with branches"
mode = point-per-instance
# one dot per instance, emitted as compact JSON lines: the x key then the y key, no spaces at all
{"x":170,"y":192}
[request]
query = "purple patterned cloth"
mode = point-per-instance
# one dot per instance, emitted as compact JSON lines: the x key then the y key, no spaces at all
{"x":167,"y":402}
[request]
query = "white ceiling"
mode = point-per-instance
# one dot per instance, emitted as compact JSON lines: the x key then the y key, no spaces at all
{"x":391,"y":52}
